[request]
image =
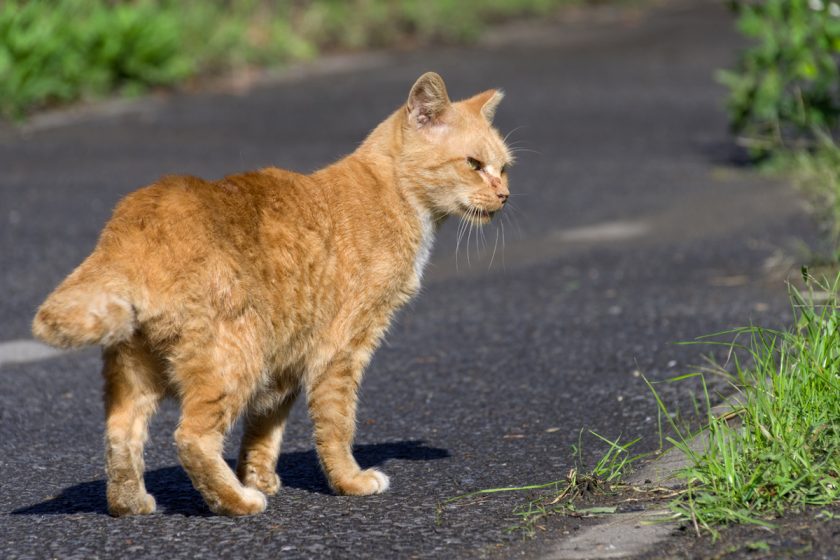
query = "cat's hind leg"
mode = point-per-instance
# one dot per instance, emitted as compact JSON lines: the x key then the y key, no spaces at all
{"x":257,"y":464}
{"x":133,"y":388}
{"x":332,"y":406}
{"x":216,"y":380}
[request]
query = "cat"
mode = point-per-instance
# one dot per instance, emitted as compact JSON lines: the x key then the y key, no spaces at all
{"x":236,"y":295}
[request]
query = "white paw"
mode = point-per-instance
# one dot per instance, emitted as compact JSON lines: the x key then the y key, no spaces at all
{"x":363,"y":483}
{"x":255,"y":500}
{"x":382,"y":480}
{"x":149,"y":504}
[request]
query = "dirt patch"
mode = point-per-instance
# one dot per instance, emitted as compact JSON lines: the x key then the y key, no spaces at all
{"x":813,"y":533}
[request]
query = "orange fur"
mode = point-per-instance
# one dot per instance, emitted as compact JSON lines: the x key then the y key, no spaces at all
{"x":236,"y":295}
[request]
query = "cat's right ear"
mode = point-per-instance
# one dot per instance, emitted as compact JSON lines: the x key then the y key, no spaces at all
{"x":427,"y":101}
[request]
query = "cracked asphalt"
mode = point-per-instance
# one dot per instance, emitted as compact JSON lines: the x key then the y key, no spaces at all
{"x":632,"y":227}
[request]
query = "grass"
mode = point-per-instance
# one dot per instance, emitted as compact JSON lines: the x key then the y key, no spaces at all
{"x":602,"y":479}
{"x":779,"y":447}
{"x":59,"y":51}
{"x":774,"y":448}
{"x":561,"y":496}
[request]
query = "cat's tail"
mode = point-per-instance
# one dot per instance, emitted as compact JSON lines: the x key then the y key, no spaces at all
{"x":91,"y":306}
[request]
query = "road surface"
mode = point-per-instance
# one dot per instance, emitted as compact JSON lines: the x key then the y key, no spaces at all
{"x":632,"y":227}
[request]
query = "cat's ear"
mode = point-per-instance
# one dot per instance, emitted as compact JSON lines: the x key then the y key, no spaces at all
{"x":486,"y":102}
{"x":427,"y":101}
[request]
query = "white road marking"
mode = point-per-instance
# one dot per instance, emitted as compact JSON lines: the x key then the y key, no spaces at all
{"x":22,"y":351}
{"x":607,"y":231}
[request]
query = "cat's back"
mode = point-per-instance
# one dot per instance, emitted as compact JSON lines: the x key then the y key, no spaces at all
{"x":187,"y":215}
{"x":235,"y":202}
{"x":184,"y":235}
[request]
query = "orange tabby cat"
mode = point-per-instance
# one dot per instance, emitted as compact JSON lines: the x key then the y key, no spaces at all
{"x":236,"y":295}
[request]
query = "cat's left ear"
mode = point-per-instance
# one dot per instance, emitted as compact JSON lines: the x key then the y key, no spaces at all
{"x":428,"y":100}
{"x":486,"y":102}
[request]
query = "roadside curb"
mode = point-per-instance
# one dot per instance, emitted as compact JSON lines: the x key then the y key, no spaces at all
{"x":624,"y":535}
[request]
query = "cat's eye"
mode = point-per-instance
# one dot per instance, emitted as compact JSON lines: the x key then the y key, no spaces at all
{"x":474,"y":164}
{"x":504,"y":169}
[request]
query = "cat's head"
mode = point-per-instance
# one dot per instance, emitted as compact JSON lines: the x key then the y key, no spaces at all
{"x":456,"y":160}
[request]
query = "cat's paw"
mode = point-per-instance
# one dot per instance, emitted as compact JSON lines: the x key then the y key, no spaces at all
{"x":263,"y":480}
{"x":120,"y":504}
{"x":365,"y":483}
{"x":248,"y":501}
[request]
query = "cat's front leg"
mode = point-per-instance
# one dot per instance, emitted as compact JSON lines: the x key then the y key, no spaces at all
{"x":332,"y":405}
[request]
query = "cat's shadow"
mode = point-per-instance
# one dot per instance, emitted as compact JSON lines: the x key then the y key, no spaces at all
{"x":175,"y":494}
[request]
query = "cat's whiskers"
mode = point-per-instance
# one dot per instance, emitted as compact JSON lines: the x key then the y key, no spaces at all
{"x":511,"y":132}
{"x":495,"y":245}
{"x":516,"y":143}
{"x":483,"y":240}
{"x":478,"y":228}
{"x":516,"y":150}
{"x":472,"y":212}
{"x":481,"y":232}
{"x":462,"y":228}
{"x":512,"y":215}
{"x":458,"y":242}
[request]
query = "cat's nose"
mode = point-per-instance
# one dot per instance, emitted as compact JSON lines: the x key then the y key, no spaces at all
{"x":503,"y":197}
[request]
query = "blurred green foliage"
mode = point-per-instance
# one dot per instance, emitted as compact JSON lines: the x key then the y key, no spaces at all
{"x":786,"y":86}
{"x":56,"y":51}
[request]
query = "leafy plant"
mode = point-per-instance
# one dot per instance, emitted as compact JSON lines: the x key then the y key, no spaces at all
{"x":787,"y":84}
{"x":58,"y":51}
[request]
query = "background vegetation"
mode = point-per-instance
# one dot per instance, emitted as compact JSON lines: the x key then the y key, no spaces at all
{"x":57,"y":51}
{"x":784,"y":94}
{"x":785,"y":87}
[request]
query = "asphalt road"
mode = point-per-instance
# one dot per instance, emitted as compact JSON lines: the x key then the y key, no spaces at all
{"x":632,"y":227}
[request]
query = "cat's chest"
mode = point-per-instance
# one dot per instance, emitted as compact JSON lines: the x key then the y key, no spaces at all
{"x":424,"y":249}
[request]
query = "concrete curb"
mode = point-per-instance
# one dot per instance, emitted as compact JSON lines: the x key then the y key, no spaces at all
{"x":628,"y":534}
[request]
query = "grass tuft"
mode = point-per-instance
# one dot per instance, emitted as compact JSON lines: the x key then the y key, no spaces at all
{"x":778,"y":447}
{"x":601,"y":480}
{"x":560,"y":496}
